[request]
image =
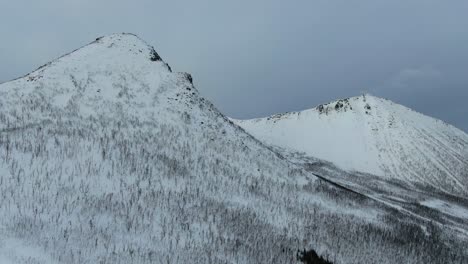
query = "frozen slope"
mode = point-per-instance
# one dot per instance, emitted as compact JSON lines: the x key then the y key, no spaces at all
{"x":107,"y":156}
{"x":376,"y":136}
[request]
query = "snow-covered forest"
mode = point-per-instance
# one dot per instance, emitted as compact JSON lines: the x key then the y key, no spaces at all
{"x":107,"y":156}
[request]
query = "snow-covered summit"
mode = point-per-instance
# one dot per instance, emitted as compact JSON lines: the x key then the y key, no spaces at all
{"x":118,"y":49}
{"x":115,"y":76}
{"x":373,"y":135}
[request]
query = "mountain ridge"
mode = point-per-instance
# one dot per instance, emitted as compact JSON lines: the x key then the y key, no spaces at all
{"x":333,"y":103}
{"x":373,"y":135}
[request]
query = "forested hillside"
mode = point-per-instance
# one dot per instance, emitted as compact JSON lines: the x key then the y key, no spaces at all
{"x":107,"y":156}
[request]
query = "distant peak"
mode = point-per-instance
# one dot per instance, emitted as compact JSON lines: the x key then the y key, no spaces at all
{"x":128,"y":41}
{"x":364,"y":102}
{"x":121,"y":38}
{"x":362,"y":97}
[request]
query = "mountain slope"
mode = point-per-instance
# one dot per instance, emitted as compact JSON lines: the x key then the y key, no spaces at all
{"x":376,"y":136}
{"x":107,"y":156}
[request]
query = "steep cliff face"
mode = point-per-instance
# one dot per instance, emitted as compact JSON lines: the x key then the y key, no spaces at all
{"x":373,"y":135}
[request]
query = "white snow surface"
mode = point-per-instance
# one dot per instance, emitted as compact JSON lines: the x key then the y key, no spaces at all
{"x":373,"y":135}
{"x":15,"y":251}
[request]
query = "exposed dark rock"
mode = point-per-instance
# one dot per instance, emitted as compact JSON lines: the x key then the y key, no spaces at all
{"x":154,"y":56}
{"x":189,"y":77}
{"x":320,"y":108}
{"x":338,"y":105}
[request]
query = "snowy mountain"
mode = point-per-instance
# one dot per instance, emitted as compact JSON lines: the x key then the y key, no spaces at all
{"x":107,"y":156}
{"x":376,"y":136}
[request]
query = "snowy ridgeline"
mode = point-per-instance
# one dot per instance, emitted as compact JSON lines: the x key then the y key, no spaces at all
{"x":106,"y":156}
{"x":374,"y":135}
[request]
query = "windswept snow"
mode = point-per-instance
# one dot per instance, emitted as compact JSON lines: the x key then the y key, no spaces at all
{"x":373,"y":135}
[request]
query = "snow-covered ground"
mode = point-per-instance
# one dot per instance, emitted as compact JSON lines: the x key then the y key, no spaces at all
{"x":448,"y":208}
{"x":15,"y":251}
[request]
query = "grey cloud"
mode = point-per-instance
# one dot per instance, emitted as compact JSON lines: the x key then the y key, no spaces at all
{"x":410,"y":78}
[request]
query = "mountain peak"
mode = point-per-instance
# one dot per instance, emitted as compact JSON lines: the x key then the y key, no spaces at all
{"x":128,"y":42}
{"x":115,"y":75}
{"x":360,"y":104}
{"x":118,"y":49}
{"x":121,"y":37}
{"x":124,"y":38}
{"x":373,"y":135}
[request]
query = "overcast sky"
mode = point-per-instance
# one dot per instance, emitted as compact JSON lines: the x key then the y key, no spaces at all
{"x":256,"y":58}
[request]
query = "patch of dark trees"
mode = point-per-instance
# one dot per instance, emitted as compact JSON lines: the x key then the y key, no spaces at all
{"x":311,"y":257}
